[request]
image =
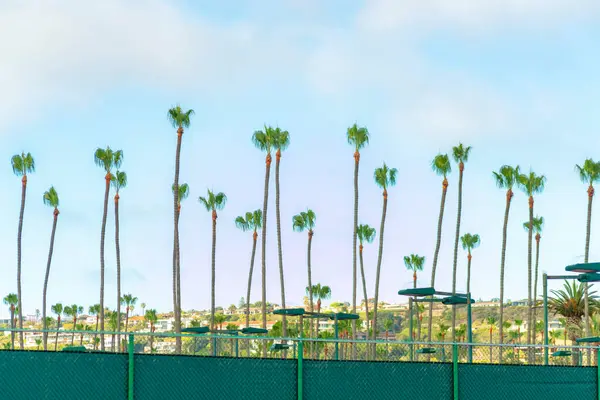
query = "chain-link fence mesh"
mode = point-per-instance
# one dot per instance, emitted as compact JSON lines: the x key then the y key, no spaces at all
{"x":215,"y":366}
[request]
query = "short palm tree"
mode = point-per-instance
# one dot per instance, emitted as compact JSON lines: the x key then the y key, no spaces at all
{"x":22,"y":164}
{"x":73,"y":311}
{"x":415,"y":263}
{"x":119,"y":181}
{"x":469,"y":242}
{"x":491,"y":321}
{"x":443,"y":328}
{"x":213,"y":202}
{"x":442,"y":167}
{"x":108,"y":160}
{"x":588,"y":173}
{"x":305,"y":221}
{"x":319,"y":292}
{"x":184,"y":192}
{"x":151,"y":318}
{"x":538,"y":226}
{"x":251,"y":221}
{"x":51,"y":200}
{"x":555,"y":334}
{"x":365,"y":234}
{"x":179,"y":119}
{"x":264,"y":140}
{"x":38,"y":343}
{"x":358,"y":137}
{"x":143,"y":306}
{"x":384,"y":177}
{"x":11,"y":300}
{"x":505,"y":178}
{"x":531,"y":184}
{"x":281,"y":141}
{"x":219,"y":319}
{"x":128,"y":301}
{"x":460,"y":154}
{"x":95,"y":310}
{"x":58,"y":310}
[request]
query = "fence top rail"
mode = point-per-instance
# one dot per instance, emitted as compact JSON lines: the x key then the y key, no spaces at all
{"x":304,"y":339}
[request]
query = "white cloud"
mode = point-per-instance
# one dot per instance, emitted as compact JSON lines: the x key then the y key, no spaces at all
{"x":469,"y":15}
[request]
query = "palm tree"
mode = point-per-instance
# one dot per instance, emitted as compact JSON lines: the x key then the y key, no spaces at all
{"x":555,"y":334}
{"x":213,"y":202}
{"x":505,"y":178}
{"x":114,"y":325}
{"x":305,"y":221}
{"x":22,"y":164}
{"x":518,"y":323}
{"x":73,"y":311}
{"x":264,"y":140}
{"x":281,"y":141}
{"x":442,"y":167}
{"x":460,"y":154}
{"x":505,"y":325}
{"x":38,"y":343}
{"x":106,"y":159}
{"x":365,"y":234}
{"x":143,"y":306}
{"x":491,"y":321}
{"x":319,"y":292}
{"x":184,"y":192}
{"x":588,"y":173}
{"x":384,"y":177}
{"x":51,"y":200}
{"x":538,"y":226}
{"x":128,"y":301}
{"x":569,"y":303}
{"x":388,"y":324}
{"x":469,"y":242}
{"x":58,"y":310}
{"x":219,"y":319}
{"x":150,"y":317}
{"x":119,"y":181}
{"x":251,"y":221}
{"x":11,"y":300}
{"x":415,"y":263}
{"x":179,"y":119}
{"x":530,"y":184}
{"x":564,"y":324}
{"x":358,"y":137}
{"x":95,"y":310}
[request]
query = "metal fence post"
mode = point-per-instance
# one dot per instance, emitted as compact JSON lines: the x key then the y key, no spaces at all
{"x":545,"y":290}
{"x":455,"y":370}
{"x":130,"y":349}
{"x":469,"y":328}
{"x":300,"y":357}
{"x":598,"y":370}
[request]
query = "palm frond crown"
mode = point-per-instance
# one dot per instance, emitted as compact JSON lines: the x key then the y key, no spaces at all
{"x":180,"y":118}
{"x":22,"y":164}
{"x":441,"y":165}
{"x":357,"y":136}
{"x":461,"y":153}
{"x":51,"y":198}
{"x":385,"y":176}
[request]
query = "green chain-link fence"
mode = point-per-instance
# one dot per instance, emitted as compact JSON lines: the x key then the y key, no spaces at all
{"x":146,"y":366}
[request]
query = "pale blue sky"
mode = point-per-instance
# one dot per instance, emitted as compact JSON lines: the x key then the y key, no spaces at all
{"x":517,"y":81}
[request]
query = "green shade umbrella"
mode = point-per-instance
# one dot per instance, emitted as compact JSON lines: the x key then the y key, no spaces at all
{"x":561,"y":353}
{"x":74,"y":348}
{"x":343,"y":316}
{"x":593,"y":339}
{"x":289,"y":311}
{"x":589,"y":277}
{"x":279,"y":346}
{"x":452,"y":300}
{"x":253,"y":331}
{"x":429,"y":291}
{"x":196,"y":329}
{"x":584,"y":267}
{"x":427,"y":350}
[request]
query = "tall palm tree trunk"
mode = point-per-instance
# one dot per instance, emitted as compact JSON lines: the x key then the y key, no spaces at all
{"x":461,"y":168}
{"x":176,"y":294}
{"x":378,"y":273}
{"x":254,"y":237}
{"x":364,"y":284}
{"x":279,"y":249}
{"x":118,"y":249}
{"x":102,"y":236}
{"x":50,"y":251}
{"x":212,"y":277}
{"x":586,"y":259}
{"x":310,"y":288}
{"x":178,"y":262}
{"x":264,"y":247}
{"x":529,"y":268}
{"x":57,"y":330}
{"x":126,"y":318}
{"x":436,"y":253}
{"x":535,"y":281}
{"x":356,"y":165}
{"x":19,"y":235}
{"x":509,"y":195}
